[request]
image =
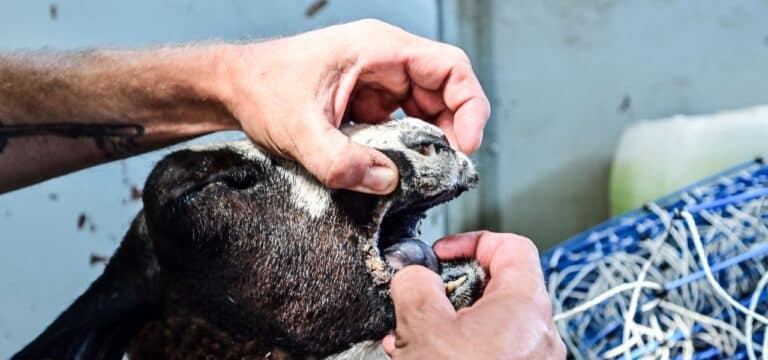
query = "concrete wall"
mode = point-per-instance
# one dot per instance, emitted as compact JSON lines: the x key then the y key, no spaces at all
{"x":44,"y":258}
{"x":566,"y":76}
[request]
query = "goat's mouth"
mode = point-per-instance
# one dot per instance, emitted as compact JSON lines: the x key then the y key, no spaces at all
{"x":399,"y":242}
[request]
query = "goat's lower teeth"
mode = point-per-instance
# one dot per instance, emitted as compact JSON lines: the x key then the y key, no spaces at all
{"x":452,"y":285}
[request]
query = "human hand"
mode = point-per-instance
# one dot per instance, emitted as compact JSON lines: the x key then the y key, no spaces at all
{"x":290,"y":95}
{"x":511,"y":320}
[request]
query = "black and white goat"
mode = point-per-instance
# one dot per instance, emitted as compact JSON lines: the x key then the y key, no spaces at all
{"x":241,"y":254}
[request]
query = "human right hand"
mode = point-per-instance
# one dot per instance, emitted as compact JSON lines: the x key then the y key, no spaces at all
{"x":290,"y":95}
{"x":511,"y":320}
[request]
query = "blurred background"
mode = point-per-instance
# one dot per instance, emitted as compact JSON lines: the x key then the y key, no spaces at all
{"x":585,"y":93}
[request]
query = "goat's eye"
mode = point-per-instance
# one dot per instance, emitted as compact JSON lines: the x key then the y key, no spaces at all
{"x":427,"y":149}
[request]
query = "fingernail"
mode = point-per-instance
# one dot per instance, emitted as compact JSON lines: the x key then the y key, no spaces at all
{"x":379,"y":178}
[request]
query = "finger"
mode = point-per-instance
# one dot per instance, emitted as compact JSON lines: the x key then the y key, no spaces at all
{"x":514,"y":302}
{"x":494,"y":251}
{"x":412,"y":109}
{"x":457,"y":246}
{"x":388,"y":343}
{"x":446,"y":68}
{"x":514,"y":268}
{"x":469,"y":124}
{"x":507,"y":252}
{"x":338,"y":162}
{"x":464,"y":96}
{"x":381,"y":85}
{"x":419,"y":298}
{"x":516,"y":281}
{"x":371,"y":105}
{"x":445,"y":122}
{"x":513,"y":295}
{"x":429,"y":105}
{"x":429,"y":101}
{"x":386,"y":71}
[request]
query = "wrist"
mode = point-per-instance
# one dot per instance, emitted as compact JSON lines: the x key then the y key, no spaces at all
{"x":205,"y":74}
{"x":184,"y":85}
{"x":211,"y":72}
{"x":232,"y":83}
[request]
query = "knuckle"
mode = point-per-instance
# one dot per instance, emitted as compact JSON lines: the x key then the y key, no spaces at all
{"x":334,"y":175}
{"x":524,"y":243}
{"x":372,"y":22}
{"x":561,"y":352}
{"x":343,"y":167}
{"x":460,"y":53}
{"x":528,"y":245}
{"x":481,"y":235}
{"x":548,"y":345}
{"x":556,"y":344}
{"x":410,"y":285}
{"x":411,"y":274}
{"x":375,"y":24}
{"x":485,"y":105}
{"x":543,"y":302}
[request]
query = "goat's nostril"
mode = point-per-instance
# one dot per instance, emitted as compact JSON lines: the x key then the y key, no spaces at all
{"x":427,"y":149}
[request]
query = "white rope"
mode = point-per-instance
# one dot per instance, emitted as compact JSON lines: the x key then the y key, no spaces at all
{"x":604,"y":296}
{"x":752,"y":307}
{"x":604,"y":289}
{"x":708,"y":271}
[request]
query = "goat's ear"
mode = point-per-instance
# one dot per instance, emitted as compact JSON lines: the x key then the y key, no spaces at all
{"x":102,"y":321}
{"x":185,"y":172}
{"x":184,"y":188}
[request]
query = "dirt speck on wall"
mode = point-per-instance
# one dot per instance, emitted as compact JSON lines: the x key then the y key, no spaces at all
{"x":135,"y":193}
{"x":315,"y":7}
{"x":626,"y":104}
{"x":81,"y":219}
{"x":96,"y":259}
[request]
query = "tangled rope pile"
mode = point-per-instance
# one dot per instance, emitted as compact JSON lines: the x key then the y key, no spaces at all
{"x":683,"y":278}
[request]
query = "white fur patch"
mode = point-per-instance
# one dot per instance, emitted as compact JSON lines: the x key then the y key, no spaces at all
{"x":387,"y":135}
{"x":244,"y":147}
{"x":365,"y":350}
{"x":306,"y":192}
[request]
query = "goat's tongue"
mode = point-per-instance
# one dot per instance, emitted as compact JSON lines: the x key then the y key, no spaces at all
{"x":411,"y":251}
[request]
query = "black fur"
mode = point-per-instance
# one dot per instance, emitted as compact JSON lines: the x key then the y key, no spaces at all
{"x":222,"y":239}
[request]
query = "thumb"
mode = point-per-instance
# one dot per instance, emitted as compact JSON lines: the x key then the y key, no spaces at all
{"x":420,"y":301}
{"x":339,"y":163}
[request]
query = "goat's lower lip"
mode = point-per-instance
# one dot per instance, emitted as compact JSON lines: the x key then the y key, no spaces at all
{"x":410,"y":251}
{"x":398,"y":230}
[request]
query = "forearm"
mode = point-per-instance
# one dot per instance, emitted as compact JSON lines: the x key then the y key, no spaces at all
{"x":64,"y":112}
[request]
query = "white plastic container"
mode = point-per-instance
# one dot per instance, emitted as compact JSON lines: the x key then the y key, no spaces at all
{"x":657,"y":157}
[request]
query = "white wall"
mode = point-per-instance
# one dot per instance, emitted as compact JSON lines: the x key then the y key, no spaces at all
{"x":558,"y":72}
{"x":44,"y":258}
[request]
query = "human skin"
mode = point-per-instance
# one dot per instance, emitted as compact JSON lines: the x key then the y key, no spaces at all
{"x":511,"y":320}
{"x":61,"y":112}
